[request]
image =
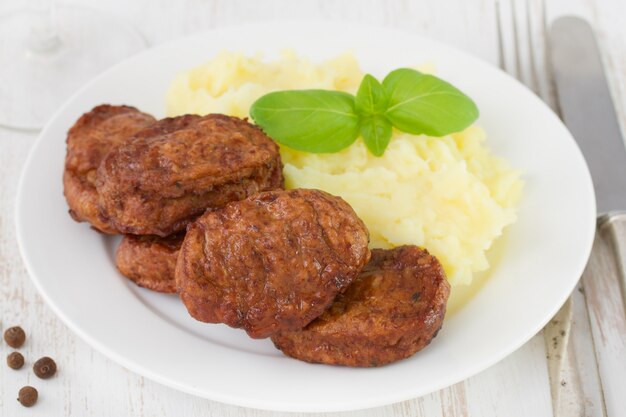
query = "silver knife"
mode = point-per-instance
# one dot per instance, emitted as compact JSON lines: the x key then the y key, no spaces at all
{"x":588,"y":111}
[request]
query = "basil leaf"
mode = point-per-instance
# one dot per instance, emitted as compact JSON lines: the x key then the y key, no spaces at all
{"x":376,"y":132}
{"x":371,"y":98}
{"x":424,"y":104}
{"x":316,"y":121}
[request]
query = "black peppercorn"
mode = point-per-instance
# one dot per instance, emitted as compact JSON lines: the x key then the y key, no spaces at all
{"x":27,"y":396}
{"x":14,"y":336}
{"x":45,"y":367}
{"x":15,"y":360}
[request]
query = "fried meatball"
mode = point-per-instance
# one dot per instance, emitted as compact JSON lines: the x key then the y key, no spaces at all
{"x":150,"y":261}
{"x":169,"y":173}
{"x":392,"y":310}
{"x":88,"y":141}
{"x":274,"y":261}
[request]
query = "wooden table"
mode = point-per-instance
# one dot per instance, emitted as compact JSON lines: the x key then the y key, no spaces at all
{"x":555,"y":373}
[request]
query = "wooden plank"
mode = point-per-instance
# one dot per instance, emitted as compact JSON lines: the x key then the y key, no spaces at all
{"x":575,"y":382}
{"x":603,"y":284}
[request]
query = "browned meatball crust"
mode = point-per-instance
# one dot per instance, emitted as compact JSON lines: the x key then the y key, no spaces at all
{"x":88,"y":141}
{"x":274,"y":261}
{"x":150,"y":261}
{"x":169,"y":173}
{"x":394,"y":309}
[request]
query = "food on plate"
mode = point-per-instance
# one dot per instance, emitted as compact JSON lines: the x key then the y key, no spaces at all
{"x":172,"y":171}
{"x":188,"y":164}
{"x":393,"y":309}
{"x":150,"y":261}
{"x":449,"y":194}
{"x":88,"y":141}
{"x":272,"y":262}
{"x":231,"y":82}
{"x":200,"y":198}
{"x":327,"y":121}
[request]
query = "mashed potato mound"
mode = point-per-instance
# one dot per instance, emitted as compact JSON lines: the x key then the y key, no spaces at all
{"x":449,"y":195}
{"x":231,"y":82}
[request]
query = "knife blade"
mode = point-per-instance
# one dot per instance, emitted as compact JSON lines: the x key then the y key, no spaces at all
{"x":587,"y":109}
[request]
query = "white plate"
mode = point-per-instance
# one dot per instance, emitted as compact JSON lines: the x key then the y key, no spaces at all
{"x":543,"y":254}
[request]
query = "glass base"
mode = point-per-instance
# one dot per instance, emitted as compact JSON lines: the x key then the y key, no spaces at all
{"x":37,"y":77}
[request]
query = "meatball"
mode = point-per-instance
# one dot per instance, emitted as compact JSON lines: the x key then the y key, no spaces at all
{"x":88,"y":141}
{"x":169,"y":173}
{"x":394,"y":309}
{"x":274,"y":261}
{"x":150,"y":261}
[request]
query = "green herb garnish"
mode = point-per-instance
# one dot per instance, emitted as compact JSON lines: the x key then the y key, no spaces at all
{"x":371,"y":103}
{"x":323,"y":121}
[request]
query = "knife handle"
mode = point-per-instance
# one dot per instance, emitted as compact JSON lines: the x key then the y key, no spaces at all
{"x":604,"y":286}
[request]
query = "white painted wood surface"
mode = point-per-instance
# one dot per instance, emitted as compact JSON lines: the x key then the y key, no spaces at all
{"x":88,"y":384}
{"x":605,"y":302}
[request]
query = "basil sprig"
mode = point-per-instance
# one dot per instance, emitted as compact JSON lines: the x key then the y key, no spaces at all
{"x":371,"y":103}
{"x":324,"y":121}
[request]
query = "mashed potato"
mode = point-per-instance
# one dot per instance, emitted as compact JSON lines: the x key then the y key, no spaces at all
{"x":449,"y":195}
{"x":231,"y":82}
